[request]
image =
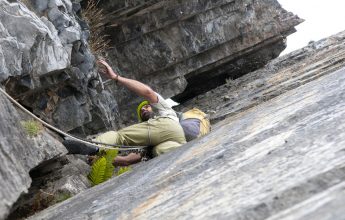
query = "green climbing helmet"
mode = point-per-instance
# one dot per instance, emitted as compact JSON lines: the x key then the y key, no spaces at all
{"x":139,"y":108}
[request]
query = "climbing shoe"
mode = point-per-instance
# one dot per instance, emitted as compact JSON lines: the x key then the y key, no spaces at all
{"x":76,"y":147}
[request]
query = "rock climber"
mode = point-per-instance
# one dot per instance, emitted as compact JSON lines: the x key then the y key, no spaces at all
{"x":159,"y":125}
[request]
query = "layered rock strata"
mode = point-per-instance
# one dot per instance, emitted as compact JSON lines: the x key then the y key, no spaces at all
{"x":169,"y":45}
{"x":283,"y":159}
{"x":184,"y":48}
{"x":280,"y":75}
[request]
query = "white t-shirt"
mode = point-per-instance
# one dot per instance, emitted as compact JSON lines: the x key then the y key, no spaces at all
{"x":164,"y":109}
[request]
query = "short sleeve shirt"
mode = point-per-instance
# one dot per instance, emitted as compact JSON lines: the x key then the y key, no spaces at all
{"x":163,"y":109}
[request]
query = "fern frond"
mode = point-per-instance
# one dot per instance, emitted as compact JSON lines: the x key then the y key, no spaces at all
{"x":111,"y":153}
{"x":109,"y":170}
{"x":96,"y":175}
{"x":102,"y":169}
{"x":123,"y":170}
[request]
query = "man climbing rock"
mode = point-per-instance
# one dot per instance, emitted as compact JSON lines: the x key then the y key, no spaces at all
{"x":159,"y":126}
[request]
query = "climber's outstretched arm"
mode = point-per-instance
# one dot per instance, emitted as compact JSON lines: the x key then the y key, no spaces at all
{"x":135,"y":86}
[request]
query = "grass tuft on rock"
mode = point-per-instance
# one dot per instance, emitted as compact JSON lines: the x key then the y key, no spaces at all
{"x":95,"y":17}
{"x":32,"y":127}
{"x":28,"y":4}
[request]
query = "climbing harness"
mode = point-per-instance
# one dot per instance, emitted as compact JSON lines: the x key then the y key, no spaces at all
{"x":93,"y":143}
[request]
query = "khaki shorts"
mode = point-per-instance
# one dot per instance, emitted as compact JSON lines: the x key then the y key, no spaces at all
{"x":164,"y":134}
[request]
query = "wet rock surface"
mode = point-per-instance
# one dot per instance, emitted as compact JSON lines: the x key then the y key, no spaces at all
{"x":283,"y":159}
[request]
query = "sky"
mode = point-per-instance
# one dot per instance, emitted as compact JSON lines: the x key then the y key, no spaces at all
{"x":322,"y":19}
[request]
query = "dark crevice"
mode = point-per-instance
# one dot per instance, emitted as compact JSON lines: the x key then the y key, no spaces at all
{"x":205,"y":81}
{"x":38,"y":198}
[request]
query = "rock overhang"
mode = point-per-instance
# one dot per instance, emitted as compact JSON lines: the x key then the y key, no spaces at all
{"x":183,"y":49}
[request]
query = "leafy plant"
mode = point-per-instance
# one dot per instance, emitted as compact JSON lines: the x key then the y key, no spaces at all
{"x":32,"y":127}
{"x":102,"y":169}
{"x":96,"y":175}
{"x":109,"y":170}
{"x":123,"y":170}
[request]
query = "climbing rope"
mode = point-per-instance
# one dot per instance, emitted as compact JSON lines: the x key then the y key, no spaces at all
{"x":93,"y":143}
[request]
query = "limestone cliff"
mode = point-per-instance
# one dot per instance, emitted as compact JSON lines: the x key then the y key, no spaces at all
{"x":278,"y":158}
{"x":184,"y":48}
{"x":19,"y":154}
{"x":261,"y":152}
{"x":179,"y":48}
{"x":47,"y":65}
{"x":280,"y":75}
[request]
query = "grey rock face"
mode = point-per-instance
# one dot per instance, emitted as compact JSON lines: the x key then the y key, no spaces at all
{"x":192,"y":46}
{"x":28,"y":45}
{"x":19,"y":154}
{"x":283,"y":159}
{"x":280,"y":160}
{"x":189,"y":44}
{"x":46,"y":64}
{"x":280,"y":75}
{"x":52,"y":182}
